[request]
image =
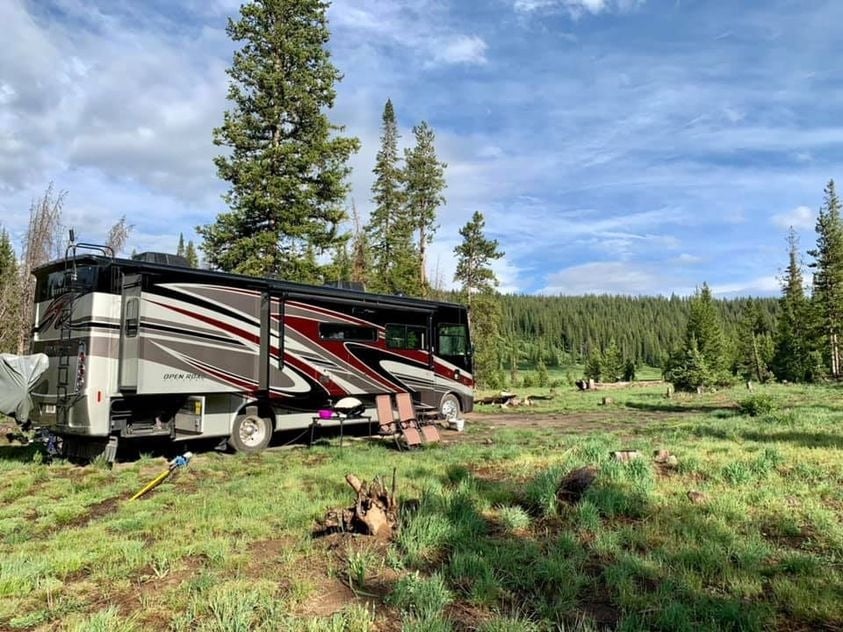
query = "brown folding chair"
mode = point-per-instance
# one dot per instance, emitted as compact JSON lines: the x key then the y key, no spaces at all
{"x":407,"y":415}
{"x":387,"y":426}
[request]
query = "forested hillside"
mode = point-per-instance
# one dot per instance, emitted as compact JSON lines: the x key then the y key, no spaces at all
{"x":563,"y":330}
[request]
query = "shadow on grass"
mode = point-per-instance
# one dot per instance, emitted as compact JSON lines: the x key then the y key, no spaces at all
{"x":593,"y":561}
{"x":725,"y":410}
{"x":20,"y":453}
{"x":804,"y":439}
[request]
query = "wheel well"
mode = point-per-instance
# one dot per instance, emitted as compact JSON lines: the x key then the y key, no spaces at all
{"x":265,"y":410}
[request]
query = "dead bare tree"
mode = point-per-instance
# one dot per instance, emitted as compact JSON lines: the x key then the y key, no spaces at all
{"x":43,"y":239}
{"x":118,"y":235}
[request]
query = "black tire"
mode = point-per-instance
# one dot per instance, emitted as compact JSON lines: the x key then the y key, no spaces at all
{"x":251,"y":433}
{"x":450,"y":407}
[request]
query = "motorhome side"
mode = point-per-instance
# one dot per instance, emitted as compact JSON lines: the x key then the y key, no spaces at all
{"x":140,"y":349}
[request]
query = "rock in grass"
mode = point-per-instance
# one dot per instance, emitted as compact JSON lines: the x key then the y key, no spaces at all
{"x":575,"y":484}
{"x":625,"y":456}
{"x":607,"y":401}
{"x":696,"y":497}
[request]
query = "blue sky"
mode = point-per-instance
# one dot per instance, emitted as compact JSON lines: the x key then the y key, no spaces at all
{"x":627,"y":146}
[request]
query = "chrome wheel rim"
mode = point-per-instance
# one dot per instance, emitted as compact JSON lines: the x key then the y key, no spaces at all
{"x":252,"y":431}
{"x":450,"y":409}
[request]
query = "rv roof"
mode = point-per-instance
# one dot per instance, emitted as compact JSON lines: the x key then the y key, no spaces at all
{"x":229,"y":278}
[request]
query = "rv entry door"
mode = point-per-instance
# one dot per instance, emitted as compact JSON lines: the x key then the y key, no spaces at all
{"x":130,"y":332}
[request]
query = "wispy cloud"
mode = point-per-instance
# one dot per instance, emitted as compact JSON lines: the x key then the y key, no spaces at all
{"x":800,"y":218}
{"x":577,"y":7}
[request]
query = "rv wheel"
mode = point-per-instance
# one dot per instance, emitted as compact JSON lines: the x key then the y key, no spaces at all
{"x":450,"y":407}
{"x":251,"y":433}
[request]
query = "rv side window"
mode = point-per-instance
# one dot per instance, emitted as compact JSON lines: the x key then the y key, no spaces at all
{"x":406,"y":337}
{"x":341,"y":331}
{"x":132,"y":321}
{"x":452,"y":340}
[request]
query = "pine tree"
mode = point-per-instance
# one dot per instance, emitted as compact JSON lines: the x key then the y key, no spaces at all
{"x":474,"y":256}
{"x":478,"y":283}
{"x":180,"y":251}
{"x":828,"y":275}
{"x":705,"y":328}
{"x":612,"y":364}
{"x":425,"y":182}
{"x":287,"y":164}
{"x":191,"y":255}
{"x":794,"y":341}
{"x":10,"y":295}
{"x":754,"y":345}
{"x":594,"y":366}
{"x":389,"y":233}
{"x":688,"y":369}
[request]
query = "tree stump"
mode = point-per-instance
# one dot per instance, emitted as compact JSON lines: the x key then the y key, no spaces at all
{"x":575,"y":484}
{"x":375,"y":511}
{"x":607,"y":401}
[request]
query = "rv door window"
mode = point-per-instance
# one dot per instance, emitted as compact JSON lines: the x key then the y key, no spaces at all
{"x":406,"y":337}
{"x":341,"y":331}
{"x":453,"y":340}
{"x":132,"y":321}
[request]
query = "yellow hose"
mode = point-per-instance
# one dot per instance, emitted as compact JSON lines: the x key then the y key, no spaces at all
{"x":154,"y":483}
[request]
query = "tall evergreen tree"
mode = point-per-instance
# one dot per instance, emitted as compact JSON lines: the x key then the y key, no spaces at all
{"x":425,"y":178}
{"x":180,"y":251}
{"x":10,"y":295}
{"x":474,"y":256}
{"x":287,"y":164}
{"x":828,"y":275}
{"x":612,"y":368}
{"x":389,"y":233}
{"x":705,"y":328}
{"x":794,"y":352}
{"x":191,"y":255}
{"x":754,"y":345}
{"x":478,"y":283}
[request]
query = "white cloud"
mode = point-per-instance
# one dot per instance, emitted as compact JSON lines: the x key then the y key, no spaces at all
{"x":462,"y":49}
{"x":800,"y":218}
{"x":761,"y":286}
{"x":686,"y":259}
{"x":577,"y":7}
{"x":607,"y":277}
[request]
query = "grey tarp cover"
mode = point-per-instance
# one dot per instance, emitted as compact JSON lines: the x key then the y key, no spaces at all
{"x":18,"y":375}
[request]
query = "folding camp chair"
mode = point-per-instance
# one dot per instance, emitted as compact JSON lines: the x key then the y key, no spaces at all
{"x":387,"y":426}
{"x":407,"y":415}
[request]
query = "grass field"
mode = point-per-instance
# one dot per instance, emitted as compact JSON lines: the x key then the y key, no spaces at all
{"x":484,"y":545}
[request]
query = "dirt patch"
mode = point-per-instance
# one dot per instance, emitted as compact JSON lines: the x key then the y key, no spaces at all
{"x":484,"y":426}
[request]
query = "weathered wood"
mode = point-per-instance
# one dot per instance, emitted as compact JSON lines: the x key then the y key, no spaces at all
{"x":625,"y":456}
{"x":576,"y":483}
{"x":375,"y":511}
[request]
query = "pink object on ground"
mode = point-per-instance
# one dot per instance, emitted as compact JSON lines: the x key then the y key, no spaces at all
{"x":326,"y":414}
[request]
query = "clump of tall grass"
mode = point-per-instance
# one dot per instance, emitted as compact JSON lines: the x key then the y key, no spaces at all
{"x":421,"y":598}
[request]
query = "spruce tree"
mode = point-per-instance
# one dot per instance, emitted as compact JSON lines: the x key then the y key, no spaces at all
{"x":705,"y":328}
{"x":191,"y":255}
{"x":612,"y":368}
{"x":180,"y":251}
{"x":286,"y":164}
{"x":425,"y":181}
{"x":828,"y":275}
{"x":474,"y":256}
{"x":754,"y":345}
{"x":389,"y":233}
{"x":10,"y":295}
{"x":794,"y":348}
{"x":478,"y":283}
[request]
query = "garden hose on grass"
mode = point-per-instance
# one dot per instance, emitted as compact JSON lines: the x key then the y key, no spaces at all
{"x":176,"y":464}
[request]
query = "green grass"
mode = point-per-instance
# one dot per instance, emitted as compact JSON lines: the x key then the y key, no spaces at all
{"x":486,"y":545}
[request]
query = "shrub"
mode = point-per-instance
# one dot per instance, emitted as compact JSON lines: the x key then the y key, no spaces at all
{"x":423,"y":598}
{"x":757,"y":405}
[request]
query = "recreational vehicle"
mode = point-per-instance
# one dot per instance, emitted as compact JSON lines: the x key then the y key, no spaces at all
{"x":145,"y":347}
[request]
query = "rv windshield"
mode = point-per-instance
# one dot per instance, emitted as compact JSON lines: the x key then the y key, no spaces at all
{"x":58,"y":282}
